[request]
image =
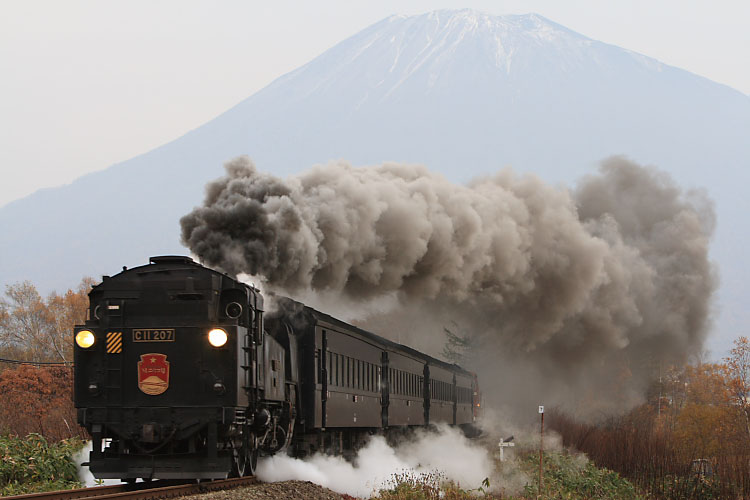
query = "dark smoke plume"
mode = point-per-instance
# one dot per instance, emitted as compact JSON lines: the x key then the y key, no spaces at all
{"x":567,"y":297}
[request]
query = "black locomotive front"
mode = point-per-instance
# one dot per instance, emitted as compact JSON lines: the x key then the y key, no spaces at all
{"x":165,"y":377}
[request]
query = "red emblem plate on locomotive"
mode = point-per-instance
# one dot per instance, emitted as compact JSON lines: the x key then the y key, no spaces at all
{"x":153,"y":373}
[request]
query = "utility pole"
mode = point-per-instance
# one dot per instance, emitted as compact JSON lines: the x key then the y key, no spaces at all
{"x":541,"y":451}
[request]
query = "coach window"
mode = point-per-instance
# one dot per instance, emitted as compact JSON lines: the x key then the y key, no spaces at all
{"x":332,"y":367}
{"x":339,"y":370}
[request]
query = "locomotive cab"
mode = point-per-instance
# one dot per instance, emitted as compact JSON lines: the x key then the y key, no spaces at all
{"x":167,"y":373}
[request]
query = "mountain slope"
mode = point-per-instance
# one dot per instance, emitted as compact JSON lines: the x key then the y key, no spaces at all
{"x":463,"y":92}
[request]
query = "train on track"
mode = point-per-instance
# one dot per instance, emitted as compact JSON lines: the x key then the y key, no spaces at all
{"x":180,"y":373}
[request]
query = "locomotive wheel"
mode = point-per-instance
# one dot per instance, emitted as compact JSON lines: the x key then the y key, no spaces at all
{"x":245,"y":458}
{"x":252,"y":463}
{"x":239,"y":462}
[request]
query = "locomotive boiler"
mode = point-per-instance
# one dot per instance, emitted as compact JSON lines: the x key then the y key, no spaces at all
{"x":181,"y":374}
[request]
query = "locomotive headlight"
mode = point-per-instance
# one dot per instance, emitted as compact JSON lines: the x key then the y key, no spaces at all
{"x":217,"y":337}
{"x":85,"y":339}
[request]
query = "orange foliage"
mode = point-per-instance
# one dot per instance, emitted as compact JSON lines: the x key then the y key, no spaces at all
{"x":38,"y":400}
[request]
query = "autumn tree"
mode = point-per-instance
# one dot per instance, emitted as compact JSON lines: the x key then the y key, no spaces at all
{"x":706,"y":420}
{"x":35,"y":329}
{"x":66,"y":311}
{"x":738,"y":373}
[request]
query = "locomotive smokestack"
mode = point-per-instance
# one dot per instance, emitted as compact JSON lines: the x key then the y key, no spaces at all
{"x":573,"y":292}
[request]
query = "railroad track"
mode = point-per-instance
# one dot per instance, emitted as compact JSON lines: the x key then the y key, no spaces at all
{"x":138,"y":491}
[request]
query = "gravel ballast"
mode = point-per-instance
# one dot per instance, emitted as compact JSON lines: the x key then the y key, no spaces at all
{"x":292,"y":490}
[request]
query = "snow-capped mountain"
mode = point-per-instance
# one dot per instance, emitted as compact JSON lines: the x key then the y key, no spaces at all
{"x":463,"y":92}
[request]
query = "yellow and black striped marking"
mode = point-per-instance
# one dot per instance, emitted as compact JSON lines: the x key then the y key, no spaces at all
{"x":114,"y":342}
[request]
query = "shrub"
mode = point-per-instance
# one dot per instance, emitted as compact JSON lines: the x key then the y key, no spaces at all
{"x":32,"y":464}
{"x":425,"y":486}
{"x":38,"y":400}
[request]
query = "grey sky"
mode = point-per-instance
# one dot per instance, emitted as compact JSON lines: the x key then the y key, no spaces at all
{"x":85,"y":84}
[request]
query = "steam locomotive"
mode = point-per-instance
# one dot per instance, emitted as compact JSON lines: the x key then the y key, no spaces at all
{"x":180,"y":374}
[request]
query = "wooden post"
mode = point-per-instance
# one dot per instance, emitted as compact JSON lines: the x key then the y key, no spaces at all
{"x":541,"y":452}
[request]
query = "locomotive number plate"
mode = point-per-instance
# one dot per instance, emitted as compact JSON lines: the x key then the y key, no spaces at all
{"x":153,"y":335}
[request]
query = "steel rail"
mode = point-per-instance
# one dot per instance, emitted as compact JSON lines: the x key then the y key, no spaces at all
{"x":138,"y":491}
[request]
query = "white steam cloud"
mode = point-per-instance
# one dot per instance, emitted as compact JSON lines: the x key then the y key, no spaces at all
{"x":446,"y":451}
